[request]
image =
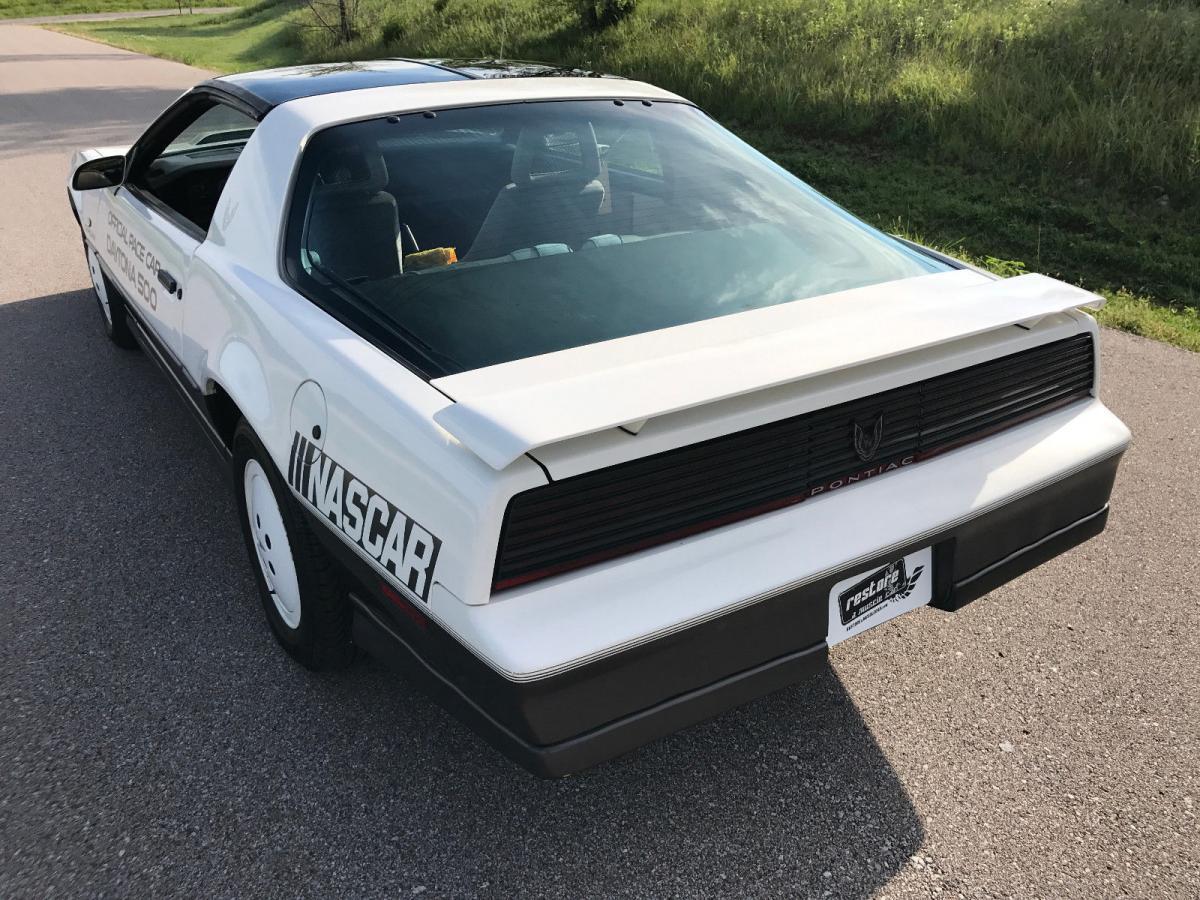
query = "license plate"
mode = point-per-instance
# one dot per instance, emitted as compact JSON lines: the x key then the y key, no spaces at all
{"x":871,"y":598}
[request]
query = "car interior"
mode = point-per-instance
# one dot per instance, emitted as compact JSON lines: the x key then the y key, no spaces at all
{"x":372,"y":213}
{"x":514,"y":194}
{"x":189,"y":173}
{"x":191,"y":182}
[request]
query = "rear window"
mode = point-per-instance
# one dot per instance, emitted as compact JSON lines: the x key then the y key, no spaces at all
{"x":470,"y":237}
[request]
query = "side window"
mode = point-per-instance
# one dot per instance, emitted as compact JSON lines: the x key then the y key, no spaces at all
{"x":186,"y":161}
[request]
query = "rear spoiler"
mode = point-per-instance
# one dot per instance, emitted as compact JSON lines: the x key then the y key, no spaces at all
{"x":503,"y":411}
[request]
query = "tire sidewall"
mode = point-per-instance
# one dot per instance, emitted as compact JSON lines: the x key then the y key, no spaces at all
{"x":299,"y":640}
{"x":115,"y":323}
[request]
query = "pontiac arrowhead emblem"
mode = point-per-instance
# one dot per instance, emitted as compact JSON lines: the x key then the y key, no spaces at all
{"x":866,"y":443}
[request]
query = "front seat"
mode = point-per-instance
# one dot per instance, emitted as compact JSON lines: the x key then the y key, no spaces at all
{"x":548,"y":207}
{"x":354,"y":225}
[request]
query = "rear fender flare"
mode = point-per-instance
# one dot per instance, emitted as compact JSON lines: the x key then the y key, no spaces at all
{"x":240,"y":374}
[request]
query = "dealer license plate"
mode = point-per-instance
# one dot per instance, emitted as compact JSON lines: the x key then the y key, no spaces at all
{"x":873,"y":597}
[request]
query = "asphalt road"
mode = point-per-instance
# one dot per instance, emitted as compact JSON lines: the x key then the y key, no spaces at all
{"x":153,"y":740}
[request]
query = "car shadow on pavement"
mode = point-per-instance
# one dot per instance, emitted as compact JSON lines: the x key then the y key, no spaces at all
{"x":155,"y":737}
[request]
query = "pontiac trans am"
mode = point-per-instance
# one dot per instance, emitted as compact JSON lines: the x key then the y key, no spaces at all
{"x":551,"y":391}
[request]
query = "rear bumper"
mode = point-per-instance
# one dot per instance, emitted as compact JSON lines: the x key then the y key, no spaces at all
{"x":569,"y":721}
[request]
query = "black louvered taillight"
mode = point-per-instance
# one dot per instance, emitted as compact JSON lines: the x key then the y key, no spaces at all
{"x":638,"y":504}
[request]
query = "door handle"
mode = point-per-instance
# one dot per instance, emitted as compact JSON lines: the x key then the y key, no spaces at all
{"x":167,"y":280}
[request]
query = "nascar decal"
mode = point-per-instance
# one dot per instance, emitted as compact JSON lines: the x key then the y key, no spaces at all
{"x":385,"y":533}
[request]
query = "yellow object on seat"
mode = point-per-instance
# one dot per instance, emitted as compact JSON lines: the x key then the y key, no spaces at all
{"x":429,"y":259}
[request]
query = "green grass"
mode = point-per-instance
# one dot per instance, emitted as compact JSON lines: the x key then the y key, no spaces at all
{"x":258,"y":36}
{"x":1060,"y":136}
{"x":1103,"y":89}
{"x":16,"y":9}
{"x":1145,"y":259}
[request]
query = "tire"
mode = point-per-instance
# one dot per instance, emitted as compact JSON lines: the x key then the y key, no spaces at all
{"x":109,"y":301}
{"x":300,"y":585}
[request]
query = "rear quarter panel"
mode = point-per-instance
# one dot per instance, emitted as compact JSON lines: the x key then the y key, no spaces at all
{"x":248,"y":332}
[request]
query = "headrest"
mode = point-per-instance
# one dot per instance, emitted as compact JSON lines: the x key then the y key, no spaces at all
{"x":536,"y":140}
{"x":352,"y":170}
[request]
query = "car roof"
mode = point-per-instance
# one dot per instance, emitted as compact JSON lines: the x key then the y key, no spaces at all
{"x":267,"y":88}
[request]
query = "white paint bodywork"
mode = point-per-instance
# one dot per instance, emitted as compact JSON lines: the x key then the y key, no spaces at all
{"x":452,"y":458}
{"x":507,"y":410}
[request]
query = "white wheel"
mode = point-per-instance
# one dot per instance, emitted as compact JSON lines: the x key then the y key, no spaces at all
{"x":273,"y":551}
{"x":98,"y":283}
{"x":301,"y":588}
{"x":110,"y":302}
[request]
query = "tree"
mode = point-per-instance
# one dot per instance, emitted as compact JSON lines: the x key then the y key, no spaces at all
{"x":338,"y":17}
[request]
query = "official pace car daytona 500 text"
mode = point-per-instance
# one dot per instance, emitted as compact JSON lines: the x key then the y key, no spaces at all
{"x":552,"y":392}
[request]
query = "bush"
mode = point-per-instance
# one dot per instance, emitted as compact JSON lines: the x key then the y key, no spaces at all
{"x":392,"y":32}
{"x":597,"y":15}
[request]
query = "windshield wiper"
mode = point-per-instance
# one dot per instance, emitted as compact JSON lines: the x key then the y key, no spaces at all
{"x":364,"y":305}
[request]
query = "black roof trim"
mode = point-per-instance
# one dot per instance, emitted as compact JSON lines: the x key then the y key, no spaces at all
{"x":241,"y":96}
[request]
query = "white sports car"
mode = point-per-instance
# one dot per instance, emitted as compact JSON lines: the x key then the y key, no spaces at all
{"x":555,"y":393}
